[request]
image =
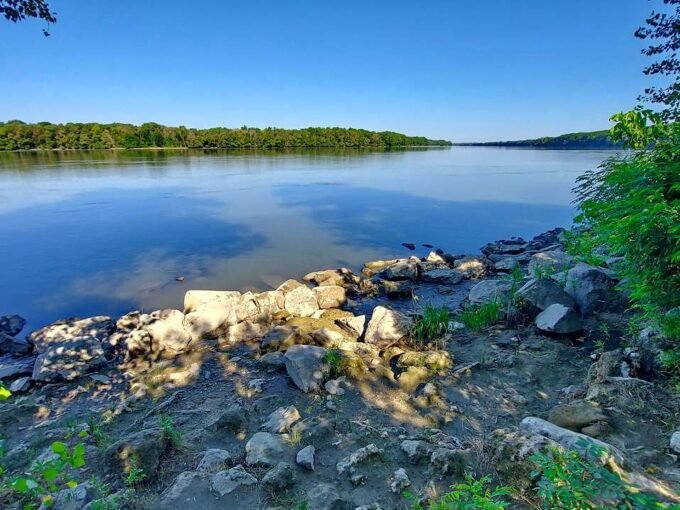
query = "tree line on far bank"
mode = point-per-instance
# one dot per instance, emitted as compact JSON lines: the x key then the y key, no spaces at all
{"x":585,"y":140}
{"x":17,"y":135}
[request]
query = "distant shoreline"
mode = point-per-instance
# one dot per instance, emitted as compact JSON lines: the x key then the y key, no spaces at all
{"x":230,"y":149}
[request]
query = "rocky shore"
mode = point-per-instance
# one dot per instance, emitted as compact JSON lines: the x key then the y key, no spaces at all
{"x":321,"y":395}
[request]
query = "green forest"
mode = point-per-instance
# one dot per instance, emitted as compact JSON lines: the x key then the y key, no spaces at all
{"x":586,"y":140}
{"x":17,"y":135}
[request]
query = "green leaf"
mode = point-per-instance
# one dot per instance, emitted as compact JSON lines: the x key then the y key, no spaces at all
{"x":58,"y":447}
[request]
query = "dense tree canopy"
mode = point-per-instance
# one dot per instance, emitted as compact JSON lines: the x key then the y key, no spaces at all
{"x":664,"y":28}
{"x":19,"y":10}
{"x":17,"y":135}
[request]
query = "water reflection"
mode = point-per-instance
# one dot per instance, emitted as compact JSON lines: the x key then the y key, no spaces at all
{"x":105,"y":232}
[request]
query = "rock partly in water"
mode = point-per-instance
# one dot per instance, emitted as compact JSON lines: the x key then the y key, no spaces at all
{"x":12,"y":325}
{"x":21,"y":385}
{"x":68,"y":360}
{"x":386,"y":327}
{"x":402,"y":270}
{"x":442,"y":276}
{"x":559,"y":319}
{"x":301,"y":301}
{"x":306,"y":366}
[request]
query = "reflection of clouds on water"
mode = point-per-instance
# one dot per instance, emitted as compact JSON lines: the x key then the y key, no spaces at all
{"x":88,"y":235}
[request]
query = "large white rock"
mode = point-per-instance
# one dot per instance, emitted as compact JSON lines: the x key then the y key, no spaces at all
{"x":330,"y":296}
{"x":559,"y":319}
{"x":306,"y":367}
{"x":166,"y":328}
{"x":301,"y":301}
{"x":386,"y":326}
{"x":208,"y":312}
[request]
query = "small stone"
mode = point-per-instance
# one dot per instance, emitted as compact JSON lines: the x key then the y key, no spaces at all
{"x":356,"y":478}
{"x":416,"y":450}
{"x":234,"y":419}
{"x":279,"y":478}
{"x":274,"y":359}
{"x":214,"y":460}
{"x":226,"y":482}
{"x":559,"y":319}
{"x":281,"y":420}
{"x":100,"y":378}
{"x":400,"y":481}
{"x":409,"y":246}
{"x":305,"y":457}
{"x":324,"y":496}
{"x":359,"y":456}
{"x":334,"y":386}
{"x":576,"y":415}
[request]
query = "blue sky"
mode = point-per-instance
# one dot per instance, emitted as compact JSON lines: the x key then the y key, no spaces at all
{"x":461,"y":70}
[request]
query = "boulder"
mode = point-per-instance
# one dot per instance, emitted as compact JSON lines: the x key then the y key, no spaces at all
{"x":265,"y":305}
{"x":471,"y":266}
{"x":305,"y":457}
{"x":327,"y":337}
{"x":68,"y":359}
{"x":442,"y":276}
{"x":301,"y":301}
{"x":352,"y":325}
{"x":538,"y":294}
{"x":279,"y":478}
{"x":505,"y":247}
{"x":99,"y":327}
{"x":506,"y":264}
{"x":559,"y":319}
{"x":416,"y":450}
{"x":166,"y":329}
{"x":376,"y":266}
{"x":264,"y":449}
{"x":173,"y":495}
{"x":274,"y":359}
{"x":546,"y":263}
{"x":413,"y":377}
{"x":226,"y":482}
{"x":403,"y":270}
{"x":141,"y":449}
{"x":306,"y":366}
{"x":592,"y":288}
{"x":342,"y":277}
{"x":330,"y":296}
{"x":281,"y":420}
{"x":488,"y":291}
{"x":233,"y":419}
{"x":397,"y":288}
{"x":386,"y":326}
{"x":449,"y":461}
{"x":12,"y":345}
{"x":214,"y":460}
{"x":576,"y":415}
{"x":12,"y":324}
{"x":208,"y":312}
{"x":12,"y":366}
{"x":571,"y":440}
{"x":400,"y":481}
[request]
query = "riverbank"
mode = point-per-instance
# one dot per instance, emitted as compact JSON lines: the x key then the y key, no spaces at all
{"x":345,"y":389}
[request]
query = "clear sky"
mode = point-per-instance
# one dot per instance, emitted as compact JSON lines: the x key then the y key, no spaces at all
{"x":458,"y":69}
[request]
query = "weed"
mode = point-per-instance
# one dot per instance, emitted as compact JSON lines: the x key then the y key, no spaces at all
{"x":135,"y":475}
{"x":333,"y":358}
{"x":170,"y":432}
{"x":294,"y":437}
{"x":478,"y":317}
{"x":467,"y":495}
{"x":432,"y":325}
{"x":96,"y":432}
{"x":4,"y":392}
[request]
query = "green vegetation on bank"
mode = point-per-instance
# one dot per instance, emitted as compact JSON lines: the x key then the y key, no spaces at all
{"x":17,"y":135}
{"x":585,"y":140}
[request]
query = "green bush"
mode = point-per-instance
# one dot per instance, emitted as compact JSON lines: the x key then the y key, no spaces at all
{"x":569,"y":482}
{"x":468,"y":495}
{"x":631,"y":206}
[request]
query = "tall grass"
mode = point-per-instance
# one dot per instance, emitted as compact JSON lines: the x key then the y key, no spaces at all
{"x":432,"y":326}
{"x":478,"y":317}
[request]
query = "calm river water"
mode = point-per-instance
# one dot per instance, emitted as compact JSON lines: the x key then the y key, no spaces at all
{"x":104,"y":233}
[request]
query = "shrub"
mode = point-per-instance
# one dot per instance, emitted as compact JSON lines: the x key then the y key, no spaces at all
{"x":333,"y":358}
{"x":4,"y":392}
{"x":468,"y":495}
{"x":631,"y":206}
{"x":569,"y":482}
{"x":170,"y":432}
